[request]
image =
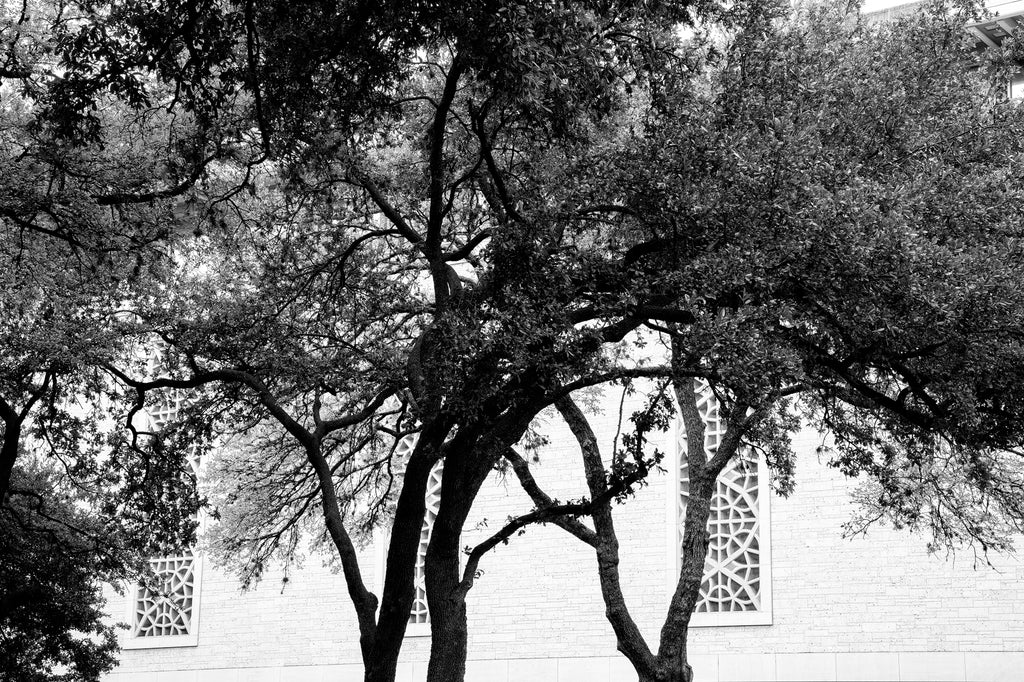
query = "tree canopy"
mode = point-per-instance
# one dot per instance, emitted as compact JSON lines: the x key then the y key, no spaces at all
{"x":83,"y":501}
{"x":355,"y":224}
{"x":834,"y":203}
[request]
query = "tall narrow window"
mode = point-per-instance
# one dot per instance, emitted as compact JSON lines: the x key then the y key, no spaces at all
{"x":165,"y":613}
{"x":737,"y":572}
{"x":420,"y":615}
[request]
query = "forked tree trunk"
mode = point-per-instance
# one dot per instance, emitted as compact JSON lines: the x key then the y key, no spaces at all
{"x":381,"y":663}
{"x":467,"y":465}
{"x":670,"y":663}
{"x":445,"y":598}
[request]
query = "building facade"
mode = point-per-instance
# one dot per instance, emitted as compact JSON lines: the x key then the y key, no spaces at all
{"x":787,"y":597}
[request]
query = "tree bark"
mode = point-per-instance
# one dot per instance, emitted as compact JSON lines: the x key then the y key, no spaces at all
{"x":669,"y":665}
{"x":381,"y":665}
{"x":628,"y":637}
{"x":445,"y":597}
{"x":469,"y":459}
{"x":703,"y":476}
{"x":672,"y":663}
{"x":447,"y":602}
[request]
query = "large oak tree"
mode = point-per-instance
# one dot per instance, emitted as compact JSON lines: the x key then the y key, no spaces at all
{"x":839,"y":204}
{"x":437,"y":220}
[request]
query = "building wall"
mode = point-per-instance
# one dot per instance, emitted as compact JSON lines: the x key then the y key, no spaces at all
{"x":868,"y":608}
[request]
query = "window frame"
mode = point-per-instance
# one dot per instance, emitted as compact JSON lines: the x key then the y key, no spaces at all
{"x":153,"y":421}
{"x":132,"y":641}
{"x":763,"y":616}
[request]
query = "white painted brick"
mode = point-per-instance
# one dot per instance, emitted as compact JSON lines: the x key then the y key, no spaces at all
{"x":746,"y":668}
{"x":486,"y":671}
{"x":175,"y":676}
{"x":539,"y":597}
{"x":705,"y":667}
{"x":531,"y":669}
{"x":218,"y":675}
{"x":305,"y":673}
{"x":621,"y":670}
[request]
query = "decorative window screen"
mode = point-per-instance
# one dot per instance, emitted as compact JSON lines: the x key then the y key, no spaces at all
{"x":419,"y":614}
{"x":167,"y":609}
{"x":737,"y":572}
{"x":165,"y":411}
{"x":165,"y":614}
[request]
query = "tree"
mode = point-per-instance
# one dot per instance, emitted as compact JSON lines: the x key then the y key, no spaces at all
{"x":51,"y":626}
{"x":852,"y":255}
{"x":597,"y":178}
{"x":75,"y":239}
{"x":81,"y":502}
{"x":401,"y":141}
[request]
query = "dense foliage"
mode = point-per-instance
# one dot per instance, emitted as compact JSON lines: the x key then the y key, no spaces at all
{"x":83,"y":500}
{"x":52,"y":559}
{"x":835,"y":204}
{"x":353,"y":224}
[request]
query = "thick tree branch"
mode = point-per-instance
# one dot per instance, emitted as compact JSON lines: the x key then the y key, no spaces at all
{"x":31,"y":226}
{"x":497,"y":179}
{"x":629,"y":639}
{"x":510,"y":529}
{"x":436,"y":172}
{"x":389,"y":211}
{"x":6,"y":72}
{"x":542,"y":500}
{"x":607,"y":208}
{"x":546,"y":515}
{"x":364,"y":601}
{"x":652,"y":372}
{"x":329,"y":425}
{"x":202,"y":378}
{"x":145,"y":197}
{"x":466,"y":250}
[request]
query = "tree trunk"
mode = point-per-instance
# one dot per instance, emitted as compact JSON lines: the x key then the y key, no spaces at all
{"x":445,"y":598}
{"x":672,"y":663}
{"x":670,"y":674}
{"x":630,"y":642}
{"x":448,"y":627}
{"x":467,"y":464}
{"x":381,"y":665}
{"x":382,"y":670}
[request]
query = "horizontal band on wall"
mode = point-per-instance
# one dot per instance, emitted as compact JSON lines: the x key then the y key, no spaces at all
{"x":904,"y":666}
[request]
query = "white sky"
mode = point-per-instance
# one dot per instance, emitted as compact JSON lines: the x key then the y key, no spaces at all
{"x":872,"y":5}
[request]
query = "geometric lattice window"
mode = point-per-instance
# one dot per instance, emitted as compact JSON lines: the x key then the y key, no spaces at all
{"x":736,"y":589}
{"x":166,"y":613}
{"x":165,"y":410}
{"x":166,"y":609}
{"x":420,"y":615}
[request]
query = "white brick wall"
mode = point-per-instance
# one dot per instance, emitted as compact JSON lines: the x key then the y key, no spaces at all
{"x":875,"y":608}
